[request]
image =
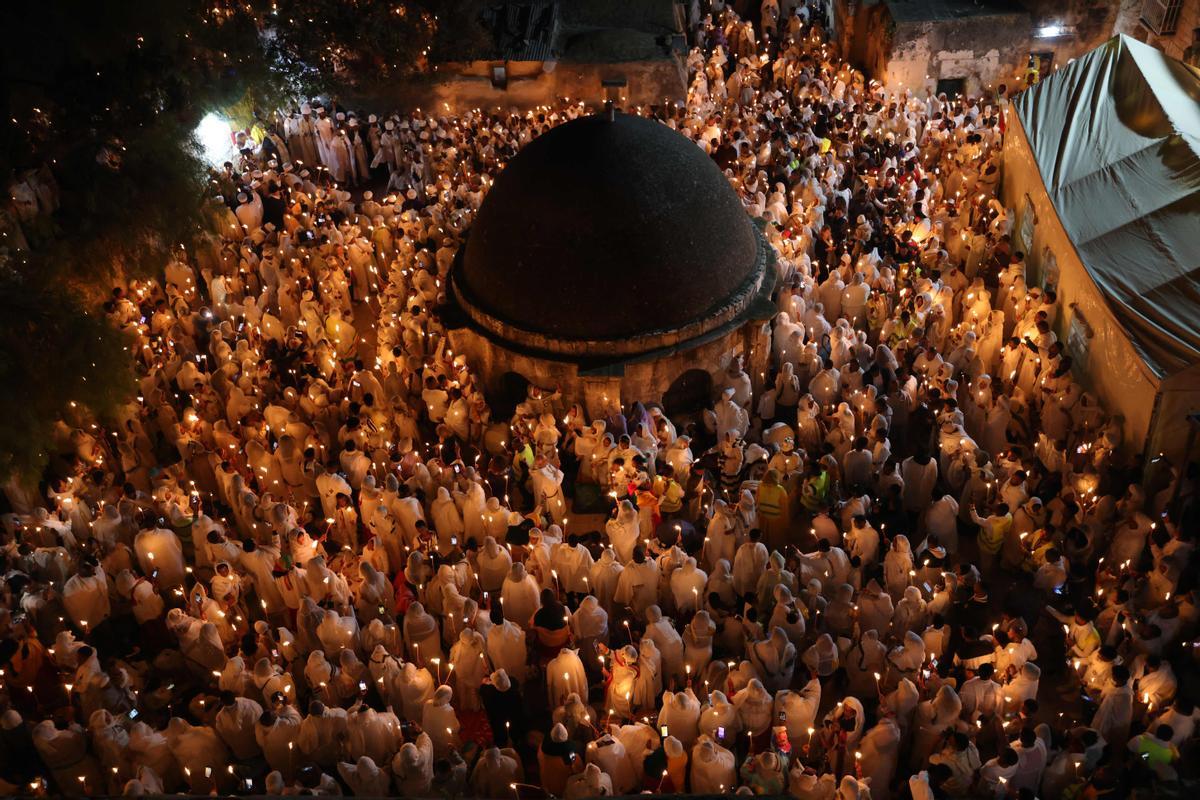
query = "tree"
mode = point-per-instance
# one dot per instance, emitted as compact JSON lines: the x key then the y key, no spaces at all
{"x":103,"y":99}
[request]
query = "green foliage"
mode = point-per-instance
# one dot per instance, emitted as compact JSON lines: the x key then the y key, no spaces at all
{"x":335,"y":45}
{"x":461,"y":34}
{"x":53,"y":353}
{"x":106,"y":95}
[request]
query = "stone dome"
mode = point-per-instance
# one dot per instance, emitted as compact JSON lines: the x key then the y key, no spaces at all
{"x":609,"y":236}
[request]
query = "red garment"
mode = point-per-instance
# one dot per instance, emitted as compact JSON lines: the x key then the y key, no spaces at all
{"x":405,"y":596}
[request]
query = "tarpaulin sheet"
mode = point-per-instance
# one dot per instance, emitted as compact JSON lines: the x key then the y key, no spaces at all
{"x":1116,"y":137}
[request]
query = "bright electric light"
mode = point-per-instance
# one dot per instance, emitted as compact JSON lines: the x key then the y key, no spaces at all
{"x":1049,"y":31}
{"x":215,"y":136}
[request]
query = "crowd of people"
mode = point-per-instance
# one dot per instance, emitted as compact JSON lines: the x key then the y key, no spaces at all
{"x":913,"y":560}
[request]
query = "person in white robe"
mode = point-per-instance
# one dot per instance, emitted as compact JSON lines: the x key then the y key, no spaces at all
{"x":160,"y":554}
{"x":687,"y":585}
{"x":469,"y":665}
{"x":496,"y":772}
{"x":754,"y":705}
{"x":277,"y":734}
{"x":565,"y":676}
{"x":1115,"y":712}
{"x":797,"y":711}
{"x":447,"y":520}
{"x":713,"y":769}
{"x":719,"y":719}
{"x":337,"y":632}
{"x":520,"y":596}
{"x":661,"y":630}
{"x":494,"y":563}
{"x":592,"y":782}
{"x":774,"y":658}
{"x":412,"y":768}
{"x":911,"y":613}
{"x":875,"y":609}
{"x":608,"y":754}
{"x":623,"y":669}
{"x":648,"y":683}
{"x":200,"y":754}
{"x":932,"y":719}
{"x":603,"y":578}
{"x":547,"y":491}
{"x":729,"y":417}
{"x":698,"y":642}
{"x":372,"y":733}
{"x":823,"y":657}
{"x":981,"y":696}
{"x":415,"y":685}
{"x":422,"y":635}
{"x":880,"y":748}
{"x":624,"y":531}
{"x":897,"y":565}
{"x":637,"y":585}
{"x":64,"y":751}
{"x":721,"y":536}
{"x":322,"y":733}
{"x":110,"y":741}
{"x":440,"y":721}
{"x":234,"y":723}
{"x":150,"y":750}
{"x":506,"y":648}
{"x":680,"y":716}
{"x":749,"y":565}
{"x":85,"y":596}
{"x":589,"y":627}
{"x":364,"y":777}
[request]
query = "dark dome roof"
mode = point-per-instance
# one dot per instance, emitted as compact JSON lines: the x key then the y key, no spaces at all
{"x":601,"y":230}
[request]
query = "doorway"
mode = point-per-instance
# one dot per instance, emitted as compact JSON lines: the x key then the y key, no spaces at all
{"x":511,"y":389}
{"x":689,"y":393}
{"x":951,"y":87}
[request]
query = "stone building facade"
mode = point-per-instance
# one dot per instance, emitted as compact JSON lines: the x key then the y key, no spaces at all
{"x":936,"y":44}
{"x":631,"y":54}
{"x":1067,"y":29}
{"x":975,"y":45}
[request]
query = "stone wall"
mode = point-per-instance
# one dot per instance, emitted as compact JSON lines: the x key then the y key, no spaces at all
{"x":1129,"y":23}
{"x":469,"y":85}
{"x":645,"y":380}
{"x":1093,"y":22}
{"x":1090,"y":24}
{"x":982,"y":51}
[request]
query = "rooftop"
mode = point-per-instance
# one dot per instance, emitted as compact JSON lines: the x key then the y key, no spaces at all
{"x":609,"y":237}
{"x":942,"y":10}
